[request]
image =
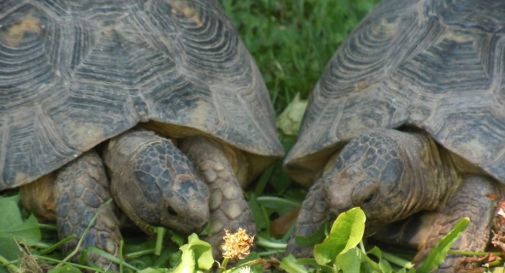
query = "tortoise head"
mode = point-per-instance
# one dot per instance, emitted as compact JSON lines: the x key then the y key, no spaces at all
{"x":368,"y":173}
{"x":171,"y":192}
{"x":154,"y":183}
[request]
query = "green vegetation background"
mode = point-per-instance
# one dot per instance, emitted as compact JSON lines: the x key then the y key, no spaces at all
{"x":293,"y":40}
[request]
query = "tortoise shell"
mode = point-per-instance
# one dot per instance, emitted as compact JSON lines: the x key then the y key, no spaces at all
{"x":431,"y":64}
{"x":76,"y":73}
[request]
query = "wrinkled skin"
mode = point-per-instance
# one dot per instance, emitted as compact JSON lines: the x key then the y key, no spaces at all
{"x":392,"y":175}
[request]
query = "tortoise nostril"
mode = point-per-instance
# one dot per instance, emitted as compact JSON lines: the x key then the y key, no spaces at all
{"x":368,"y":199}
{"x":171,"y":211}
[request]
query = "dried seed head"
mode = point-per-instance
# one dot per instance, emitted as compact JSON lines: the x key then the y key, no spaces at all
{"x":236,"y":245}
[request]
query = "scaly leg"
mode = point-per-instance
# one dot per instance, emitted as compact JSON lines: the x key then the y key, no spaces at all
{"x":471,"y":200}
{"x":425,"y":230}
{"x":81,"y":190}
{"x":228,"y":207}
{"x":313,"y":214}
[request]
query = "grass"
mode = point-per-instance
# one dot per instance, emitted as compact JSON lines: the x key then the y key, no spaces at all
{"x":291,"y":41}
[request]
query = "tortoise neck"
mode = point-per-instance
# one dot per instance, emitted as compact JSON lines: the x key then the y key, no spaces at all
{"x":433,"y":177}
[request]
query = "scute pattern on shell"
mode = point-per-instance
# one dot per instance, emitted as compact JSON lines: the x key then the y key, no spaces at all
{"x":437,"y":65}
{"x":75,"y":73}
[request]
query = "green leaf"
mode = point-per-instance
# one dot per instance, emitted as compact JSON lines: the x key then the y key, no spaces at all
{"x":384,"y":265}
{"x":349,"y":261}
{"x":196,"y":255}
{"x":263,"y":180}
{"x":346,"y":233}
{"x":277,"y":204}
{"x":280,"y":181}
{"x":14,"y":228}
{"x":259,"y":213}
{"x":437,"y":255}
{"x":177,"y":238}
{"x":65,"y":269}
{"x":188,"y":263}
{"x":291,"y":265}
{"x":203,"y":252}
{"x":313,"y":238}
{"x":289,"y":120}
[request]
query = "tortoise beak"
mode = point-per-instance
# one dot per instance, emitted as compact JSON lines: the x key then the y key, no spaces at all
{"x":339,"y":198}
{"x":339,"y":192}
{"x":189,"y":204}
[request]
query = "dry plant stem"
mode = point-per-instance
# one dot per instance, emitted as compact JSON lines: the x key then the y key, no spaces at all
{"x":473,"y":253}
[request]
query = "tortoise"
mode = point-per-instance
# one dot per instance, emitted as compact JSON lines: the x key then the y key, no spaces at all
{"x":160,"y":96}
{"x":408,"y":119}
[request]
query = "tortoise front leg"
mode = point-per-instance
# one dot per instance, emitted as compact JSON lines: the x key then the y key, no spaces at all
{"x":472,"y":200}
{"x":81,"y":190}
{"x":313,"y":214}
{"x":423,"y":231}
{"x":228,"y":207}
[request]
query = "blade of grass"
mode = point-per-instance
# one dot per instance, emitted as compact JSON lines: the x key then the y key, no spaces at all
{"x":275,"y":202}
{"x":163,"y":258}
{"x":262,"y":182}
{"x":291,"y":265}
{"x":397,"y":260}
{"x":47,"y":226}
{"x":439,"y":252}
{"x":110,"y":257}
{"x":10,"y":266}
{"x":121,"y":258}
{"x":160,"y":235}
{"x":79,"y":243}
{"x":56,"y":261}
{"x":57,"y":245}
{"x":138,"y":254}
{"x":264,"y":242}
